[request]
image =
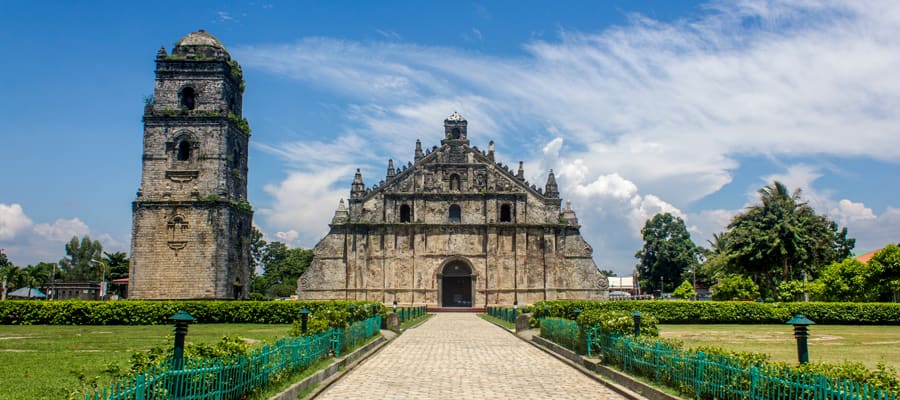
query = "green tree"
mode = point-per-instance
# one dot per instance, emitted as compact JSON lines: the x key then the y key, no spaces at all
{"x":115,"y":264}
{"x":608,"y":272}
{"x":847,"y":280}
{"x":82,"y":261}
{"x":885,"y":266}
{"x":684,"y":291}
{"x":667,"y":253}
{"x":793,"y":290}
{"x":257,"y":250}
{"x":735,"y":287}
{"x":8,"y":273}
{"x":783,"y":238}
{"x":282,"y":266}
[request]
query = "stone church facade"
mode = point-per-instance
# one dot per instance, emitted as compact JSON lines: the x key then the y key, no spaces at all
{"x":191,"y":219}
{"x":454,"y":228}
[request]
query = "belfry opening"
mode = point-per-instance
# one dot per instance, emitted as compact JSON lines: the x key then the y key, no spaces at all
{"x":456,"y":285}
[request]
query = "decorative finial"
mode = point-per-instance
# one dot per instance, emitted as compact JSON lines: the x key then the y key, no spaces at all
{"x":357,"y":188}
{"x":419,"y":153}
{"x":551,"y":189}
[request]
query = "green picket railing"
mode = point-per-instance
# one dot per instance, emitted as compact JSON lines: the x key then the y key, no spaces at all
{"x":706,"y":376}
{"x":505,"y":313}
{"x":235,"y":377}
{"x":410,"y":313}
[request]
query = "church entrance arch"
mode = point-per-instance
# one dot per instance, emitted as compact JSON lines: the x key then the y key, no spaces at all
{"x":456,"y":284}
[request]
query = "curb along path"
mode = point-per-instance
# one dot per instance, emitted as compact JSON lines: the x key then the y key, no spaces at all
{"x":459,"y":355}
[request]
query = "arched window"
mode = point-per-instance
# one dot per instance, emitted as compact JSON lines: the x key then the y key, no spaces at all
{"x":455,"y":214}
{"x":454,"y":182}
{"x":505,"y":213}
{"x":455,"y":133}
{"x":184,"y":150}
{"x":187,"y":98}
{"x":236,"y":158}
{"x":405,"y":213}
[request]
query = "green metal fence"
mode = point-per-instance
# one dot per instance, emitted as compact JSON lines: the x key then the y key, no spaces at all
{"x":505,"y":313}
{"x":706,"y":376}
{"x":235,"y":377}
{"x":410,"y":313}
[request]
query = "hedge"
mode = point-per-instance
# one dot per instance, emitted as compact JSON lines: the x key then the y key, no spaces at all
{"x":138,"y":312}
{"x":733,"y":312}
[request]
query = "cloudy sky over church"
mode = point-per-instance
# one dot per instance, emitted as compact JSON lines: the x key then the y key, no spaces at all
{"x":639,"y":107}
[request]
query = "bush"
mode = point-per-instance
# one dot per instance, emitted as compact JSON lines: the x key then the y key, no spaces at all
{"x":227,"y":348}
{"x":684,"y":291}
{"x":618,"y":322}
{"x":732,"y":312}
{"x":140,"y":312}
{"x":735,"y":287}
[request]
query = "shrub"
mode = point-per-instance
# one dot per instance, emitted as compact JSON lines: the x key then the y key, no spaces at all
{"x":735,"y":287}
{"x":732,"y":312}
{"x":618,"y":322}
{"x":684,"y":291}
{"x":140,"y":312}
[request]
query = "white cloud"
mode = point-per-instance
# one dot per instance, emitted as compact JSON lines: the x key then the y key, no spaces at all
{"x":613,"y":186}
{"x":28,"y":243}
{"x":848,"y":212}
{"x":62,"y":230}
{"x":12,"y":221}
{"x":304,"y":204}
{"x":653,"y":115}
{"x":287,"y":237}
{"x":875,"y":233}
{"x":223,"y":16}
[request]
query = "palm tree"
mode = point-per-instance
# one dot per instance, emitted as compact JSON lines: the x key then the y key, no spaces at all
{"x":8,"y":274}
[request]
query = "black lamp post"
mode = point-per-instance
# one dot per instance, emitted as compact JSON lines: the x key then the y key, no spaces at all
{"x":637,"y":323}
{"x":801,"y":332}
{"x":352,"y":308}
{"x":515,"y":309}
{"x":182,"y":319}
{"x":304,"y":318}
{"x":395,"y":306}
{"x":374,"y":309}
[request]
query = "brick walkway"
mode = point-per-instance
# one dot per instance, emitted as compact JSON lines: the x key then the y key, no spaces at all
{"x":461,"y":356}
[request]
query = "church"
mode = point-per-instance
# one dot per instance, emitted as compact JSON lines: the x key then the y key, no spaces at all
{"x":453,"y":228}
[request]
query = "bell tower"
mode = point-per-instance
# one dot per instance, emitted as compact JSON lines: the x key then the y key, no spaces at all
{"x":191,"y":220}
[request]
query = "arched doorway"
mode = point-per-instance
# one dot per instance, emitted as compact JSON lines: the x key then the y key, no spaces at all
{"x":456,"y":285}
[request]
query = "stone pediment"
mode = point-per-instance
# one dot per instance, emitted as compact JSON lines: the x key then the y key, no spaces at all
{"x":433,"y":173}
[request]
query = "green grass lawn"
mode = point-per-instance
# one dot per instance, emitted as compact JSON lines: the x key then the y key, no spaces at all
{"x":827,"y":343}
{"x":45,"y":362}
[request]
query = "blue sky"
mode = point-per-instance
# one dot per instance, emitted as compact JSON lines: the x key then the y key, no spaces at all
{"x":638,"y":106}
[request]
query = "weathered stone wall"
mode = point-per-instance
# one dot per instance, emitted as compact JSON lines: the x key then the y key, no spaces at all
{"x":508,"y":263}
{"x":190,"y":260}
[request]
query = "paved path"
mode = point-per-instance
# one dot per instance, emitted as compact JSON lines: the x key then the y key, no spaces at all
{"x":461,"y":356}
